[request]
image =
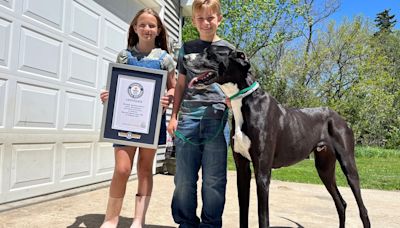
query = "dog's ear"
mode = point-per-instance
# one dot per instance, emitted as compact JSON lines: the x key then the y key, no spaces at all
{"x":240,"y":57}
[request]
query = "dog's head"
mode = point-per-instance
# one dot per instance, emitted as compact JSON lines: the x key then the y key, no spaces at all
{"x":217,"y":64}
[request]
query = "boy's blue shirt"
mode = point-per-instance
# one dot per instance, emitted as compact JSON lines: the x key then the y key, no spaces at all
{"x":207,"y":103}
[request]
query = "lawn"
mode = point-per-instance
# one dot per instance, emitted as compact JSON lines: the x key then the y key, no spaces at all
{"x":378,"y":169}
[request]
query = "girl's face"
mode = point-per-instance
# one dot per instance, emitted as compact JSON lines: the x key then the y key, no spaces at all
{"x":146,"y":27}
{"x":206,"y":22}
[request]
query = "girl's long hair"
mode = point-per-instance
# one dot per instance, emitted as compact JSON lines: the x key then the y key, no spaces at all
{"x":161,"y":39}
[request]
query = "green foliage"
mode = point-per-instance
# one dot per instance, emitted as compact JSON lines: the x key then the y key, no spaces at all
{"x":393,"y":135}
{"x":189,"y":32}
{"x":376,"y":95}
{"x":254,"y":25}
{"x":349,"y":70}
{"x":376,"y":152}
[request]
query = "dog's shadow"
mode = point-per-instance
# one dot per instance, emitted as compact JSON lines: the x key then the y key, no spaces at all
{"x":95,"y":221}
{"x":297,"y":224}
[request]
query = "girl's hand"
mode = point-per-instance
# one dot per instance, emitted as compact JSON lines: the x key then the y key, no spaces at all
{"x":104,"y":96}
{"x":166,"y":101}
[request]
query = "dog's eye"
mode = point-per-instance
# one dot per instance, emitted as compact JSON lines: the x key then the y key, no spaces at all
{"x":210,"y":54}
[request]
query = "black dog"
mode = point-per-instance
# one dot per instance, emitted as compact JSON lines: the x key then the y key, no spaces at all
{"x":272,"y":136}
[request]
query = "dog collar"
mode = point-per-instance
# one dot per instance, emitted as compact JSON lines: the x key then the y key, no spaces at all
{"x":246,"y":91}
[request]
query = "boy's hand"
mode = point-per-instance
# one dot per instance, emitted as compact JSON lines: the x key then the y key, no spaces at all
{"x":228,"y":102}
{"x":104,"y":96}
{"x":173,"y":124}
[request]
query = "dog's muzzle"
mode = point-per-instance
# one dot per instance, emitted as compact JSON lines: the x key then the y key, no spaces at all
{"x":202,"y":80}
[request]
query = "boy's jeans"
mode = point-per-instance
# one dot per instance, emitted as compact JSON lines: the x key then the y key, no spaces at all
{"x":212,"y":158}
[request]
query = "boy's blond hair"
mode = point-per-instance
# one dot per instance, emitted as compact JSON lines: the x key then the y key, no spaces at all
{"x":198,"y":5}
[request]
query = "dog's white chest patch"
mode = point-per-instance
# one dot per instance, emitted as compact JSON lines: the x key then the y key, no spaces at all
{"x":242,"y":141}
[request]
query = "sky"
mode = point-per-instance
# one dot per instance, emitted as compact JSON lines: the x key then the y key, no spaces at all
{"x":368,"y":8}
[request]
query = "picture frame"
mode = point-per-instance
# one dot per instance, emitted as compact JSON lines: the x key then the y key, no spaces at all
{"x":132,"y":114}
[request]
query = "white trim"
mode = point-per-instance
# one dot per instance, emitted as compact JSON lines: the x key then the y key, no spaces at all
{"x":151,"y":3}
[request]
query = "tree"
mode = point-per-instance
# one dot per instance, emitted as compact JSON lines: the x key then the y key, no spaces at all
{"x":312,"y":16}
{"x":385,"y":22}
{"x":314,"y":13}
{"x":354,"y":73}
{"x":254,"y":25}
{"x":386,"y":46}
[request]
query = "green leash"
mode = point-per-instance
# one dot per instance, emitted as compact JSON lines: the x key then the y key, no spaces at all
{"x":246,"y":91}
{"x":242,"y":93}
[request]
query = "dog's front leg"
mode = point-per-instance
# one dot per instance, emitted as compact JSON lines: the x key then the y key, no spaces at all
{"x":243,"y":173}
{"x":263,"y":178}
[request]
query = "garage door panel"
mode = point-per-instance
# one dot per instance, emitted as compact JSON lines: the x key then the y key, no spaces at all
{"x":48,"y":12}
{"x":39,"y":54}
{"x":79,"y":111}
{"x":102,"y":84}
{"x":104,"y":72}
{"x":82,"y":68}
{"x":115,"y":37}
{"x":7,"y":3}
{"x":3,"y":88}
{"x":105,"y":158}
{"x":36,"y":107}
{"x":5,"y":36}
{"x":32,"y":165}
{"x":85,"y":23}
{"x":1,"y":165}
{"x":76,"y":161}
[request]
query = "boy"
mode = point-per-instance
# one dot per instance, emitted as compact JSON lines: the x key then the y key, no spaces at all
{"x":201,"y":121}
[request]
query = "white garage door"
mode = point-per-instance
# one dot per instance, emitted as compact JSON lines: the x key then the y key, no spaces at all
{"x":53,"y":60}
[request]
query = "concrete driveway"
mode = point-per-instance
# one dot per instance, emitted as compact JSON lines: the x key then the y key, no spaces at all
{"x":291,"y":205}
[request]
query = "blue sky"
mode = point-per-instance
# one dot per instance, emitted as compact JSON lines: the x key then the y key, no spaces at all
{"x":368,"y":8}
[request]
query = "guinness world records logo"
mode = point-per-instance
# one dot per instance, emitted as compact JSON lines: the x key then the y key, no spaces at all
{"x":135,"y":90}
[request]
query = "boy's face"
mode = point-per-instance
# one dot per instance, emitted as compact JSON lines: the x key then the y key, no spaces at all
{"x":206,"y":22}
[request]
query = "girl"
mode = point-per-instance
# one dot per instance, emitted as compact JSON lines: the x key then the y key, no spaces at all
{"x":147,"y":47}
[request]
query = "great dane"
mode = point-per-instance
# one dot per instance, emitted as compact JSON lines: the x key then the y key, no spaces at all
{"x":272,"y":136}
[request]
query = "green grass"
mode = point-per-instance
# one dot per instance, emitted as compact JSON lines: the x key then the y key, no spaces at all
{"x":376,"y":152}
{"x":377,"y":168}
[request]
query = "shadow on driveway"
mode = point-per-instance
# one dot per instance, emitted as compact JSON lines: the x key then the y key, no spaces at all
{"x":95,"y":221}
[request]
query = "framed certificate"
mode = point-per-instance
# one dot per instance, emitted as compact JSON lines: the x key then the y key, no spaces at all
{"x":132,"y":114}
